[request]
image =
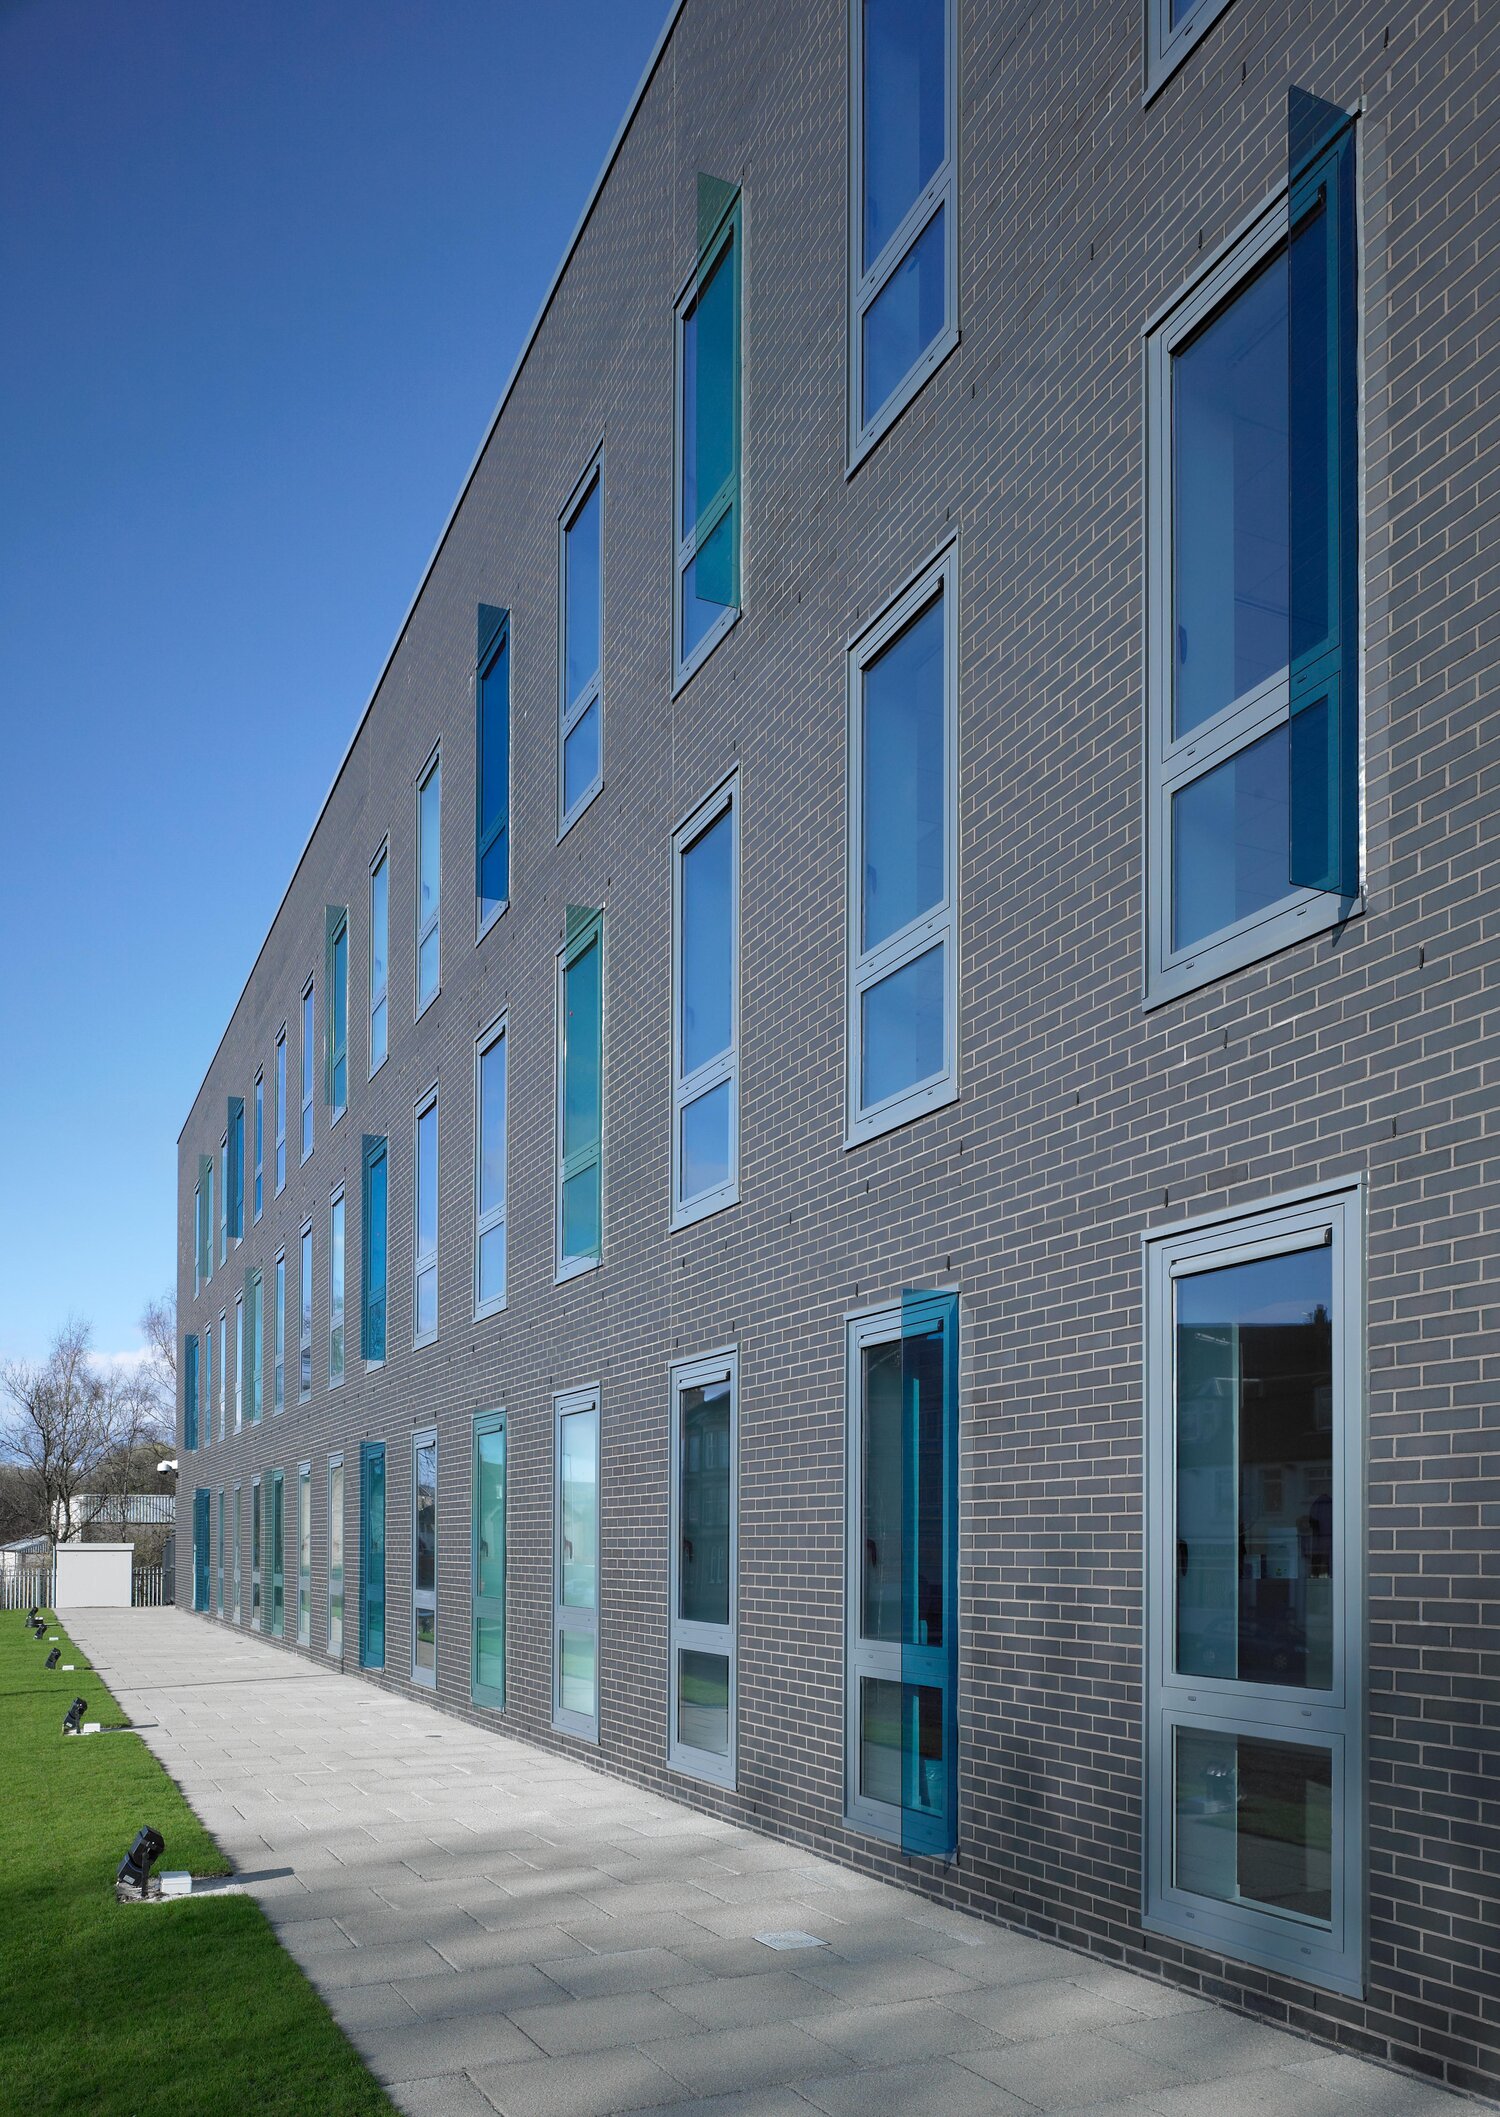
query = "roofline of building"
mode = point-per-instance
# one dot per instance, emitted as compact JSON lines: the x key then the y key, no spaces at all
{"x":674,"y":9}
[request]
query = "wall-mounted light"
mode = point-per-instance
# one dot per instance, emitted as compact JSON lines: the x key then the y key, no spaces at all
{"x":73,"y":1717}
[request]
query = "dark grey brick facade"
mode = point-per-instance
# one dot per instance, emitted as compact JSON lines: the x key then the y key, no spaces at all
{"x":1083,"y":1119}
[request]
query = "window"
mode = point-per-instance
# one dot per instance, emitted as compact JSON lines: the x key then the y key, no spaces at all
{"x":200,"y":1548}
{"x":224,"y":1198}
{"x":239,"y":1361}
{"x":581,"y":672}
{"x":425,"y":1218}
{"x":706,"y":580}
{"x":336,"y":1010}
{"x":336,"y":1290}
{"x":336,"y":1556}
{"x":489,"y":1171}
{"x":256,"y":1616}
{"x":278,"y":1347}
{"x":281,"y":1109}
{"x":492,"y":777}
{"x":189,"y":1391}
{"x":1255,"y":1605}
{"x":380,"y":941}
{"x":903,"y":206}
{"x":224,"y":1373}
{"x":278,"y":1555}
{"x":236,"y":1546}
{"x":372,"y":1555}
{"x":304,"y":1314}
{"x":575,"y":1628}
{"x":206,"y":1169}
{"x":705,"y":991}
{"x":1253,"y":810}
{"x":206,"y":1427}
{"x":424,"y":1559}
{"x":429,"y":877}
{"x":307,"y":1070}
{"x":372,"y":1252}
{"x":580,"y":1094}
{"x":1173,"y":27}
{"x":901,"y":1584}
{"x":487,"y":1665}
{"x":701,"y":1648}
{"x":260,"y":1141}
{"x":197,"y":1238}
{"x":252,"y":1353}
{"x":903,"y":859}
{"x":234,"y":1189}
{"x":219,"y":1567}
{"x":304,"y":1554}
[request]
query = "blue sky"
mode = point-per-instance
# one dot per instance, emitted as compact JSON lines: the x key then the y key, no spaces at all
{"x":264,"y":271}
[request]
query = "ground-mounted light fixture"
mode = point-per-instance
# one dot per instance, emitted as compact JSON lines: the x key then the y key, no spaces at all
{"x":73,"y":1717}
{"x":54,"y":1658}
{"x":134,"y":1871}
{"x":31,"y":1615}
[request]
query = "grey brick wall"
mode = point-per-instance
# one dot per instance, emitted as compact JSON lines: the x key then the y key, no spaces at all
{"x":1082,"y":1119}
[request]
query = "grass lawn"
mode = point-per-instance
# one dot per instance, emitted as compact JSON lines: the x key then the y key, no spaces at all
{"x":188,"y":2008}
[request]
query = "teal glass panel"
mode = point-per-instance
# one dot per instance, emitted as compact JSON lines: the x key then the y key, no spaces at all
{"x":702,"y":606}
{"x":705,"y":1142}
{"x":904,"y":108}
{"x":904,"y":778}
{"x":578,"y":1510}
{"x":710,"y":362}
{"x":707,"y":945}
{"x":489,"y":1656}
{"x":580,"y":757}
{"x":1253,"y":1822}
{"x":905,"y":317}
{"x":488,"y":1604}
{"x":929,"y":1573}
{"x":703,"y":1701}
{"x":581,"y":1052}
{"x":882,"y":1524}
{"x":336,"y":1292}
{"x":703,"y":1517}
{"x":1229,"y":841}
{"x":581,"y":1233}
{"x":582,"y":590}
{"x":576,"y":1691}
{"x":372,"y":1557}
{"x":902,"y":1040}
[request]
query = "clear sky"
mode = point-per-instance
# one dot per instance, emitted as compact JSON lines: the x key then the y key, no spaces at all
{"x":265,"y":267}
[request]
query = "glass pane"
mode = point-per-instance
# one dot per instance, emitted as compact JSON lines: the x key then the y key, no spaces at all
{"x":902,"y":1041}
{"x":1254,"y":1823}
{"x":426,"y":1314}
{"x":429,"y":847}
{"x":374,"y":1533}
{"x":494,"y":778}
{"x":336,"y":1292}
{"x":581,"y":758}
{"x":307,"y":1047}
{"x":1310,"y":556}
{"x":492,"y":1264}
{"x":489,"y":1534}
{"x":1256,"y":1559}
{"x":489,"y":1653}
{"x":905,"y":317}
{"x":340,"y":996}
{"x":1230,"y":841}
{"x":492,"y":1127}
{"x":581,"y":1024}
{"x":905,"y":92}
{"x":580,"y":1214}
{"x":903,"y":797}
{"x":575,"y":1673}
{"x":923,"y":1386}
{"x":377,"y":1033}
{"x":707,"y":968}
{"x":424,"y":1519}
{"x":708,"y":408}
{"x":882,"y":1743}
{"x":1229,"y":501}
{"x":427,"y":966}
{"x":881,"y":1523}
{"x":494,"y":882}
{"x":703,"y":1701}
{"x":705,"y":1143}
{"x":700,"y":610}
{"x":703,"y":1504}
{"x":336,"y":1558}
{"x":424,"y":1653}
{"x":379,"y":926}
{"x":375,"y":1236}
{"x":578,"y":1509}
{"x":581,"y":661}
{"x":427,"y":1181}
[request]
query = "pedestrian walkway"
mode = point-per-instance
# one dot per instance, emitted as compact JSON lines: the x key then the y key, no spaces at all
{"x":499,"y":1928}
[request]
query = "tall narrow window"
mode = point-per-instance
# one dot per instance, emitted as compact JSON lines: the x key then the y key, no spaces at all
{"x":903,"y":209}
{"x":304,"y":1314}
{"x":336,"y":1010}
{"x":219,"y":1547}
{"x":206,"y":1429}
{"x":278,"y":1554}
{"x":260,"y":1142}
{"x":580,"y":1095}
{"x":239,"y":1367}
{"x":257,"y":1612}
{"x":206,"y":1170}
{"x":489,"y":1171}
{"x":706,"y":580}
{"x":372,"y":1555}
{"x":235,"y":1538}
{"x":380,"y":943}
{"x":581,"y":699}
{"x":336,"y":1291}
{"x":304,"y":1555}
{"x":701,"y":1648}
{"x":575,"y":1630}
{"x":372,"y":1251}
{"x":224,"y":1198}
{"x":903,"y":879}
{"x":278,"y":1334}
{"x":429,"y":878}
{"x":705,"y":1071}
{"x":234,"y":1189}
{"x":1255,"y":1658}
{"x":253,"y":1349}
{"x":901,"y":1587}
{"x":307,"y":1070}
{"x":487,"y":1667}
{"x":190,"y":1391}
{"x":224,"y":1373}
{"x":197,"y":1239}
{"x":201,"y":1499}
{"x":492,"y":778}
{"x":424,"y":1559}
{"x":336,"y":1556}
{"x":425,"y":1224}
{"x":281,"y":1109}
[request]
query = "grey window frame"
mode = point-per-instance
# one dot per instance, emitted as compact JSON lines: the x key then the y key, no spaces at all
{"x":875,"y":1660}
{"x":1172,"y":764}
{"x":224,"y":1199}
{"x":1298,"y":1220}
{"x":307,"y":1061}
{"x":224,"y":1373}
{"x":304,"y":1311}
{"x":304,"y":1544}
{"x":260,"y":1141}
{"x":278,"y":1331}
{"x":1166,"y":45}
{"x":569,"y":714}
{"x":281,"y":1109}
{"x":340,"y":930}
{"x":687,"y":1088}
{"x":688,"y":1633}
{"x":239,"y":1362}
{"x":257,"y":1530}
{"x":865,"y":968}
{"x":425,"y":1437}
{"x":940,"y":191}
{"x":235,"y":1546}
{"x":197,"y":1239}
{"x":485,"y":1223}
{"x":337,"y":1248}
{"x":434,"y":925}
{"x":421,"y":1260}
{"x":256,"y":1317}
{"x":730,"y":228}
{"x":572,"y":951}
{"x":566,"y":1617}
{"x":379,"y":995}
{"x":336,"y":1650}
{"x":219,"y":1560}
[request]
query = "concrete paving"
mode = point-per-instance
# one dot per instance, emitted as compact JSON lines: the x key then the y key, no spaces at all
{"x":499,"y":1928}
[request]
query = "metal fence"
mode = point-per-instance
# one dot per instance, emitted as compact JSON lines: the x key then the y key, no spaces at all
{"x":148,"y":1588}
{"x":23,"y":1586}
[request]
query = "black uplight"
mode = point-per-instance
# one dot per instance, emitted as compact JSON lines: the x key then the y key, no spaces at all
{"x":54,"y":1658}
{"x":134,"y":1871}
{"x":73,"y":1717}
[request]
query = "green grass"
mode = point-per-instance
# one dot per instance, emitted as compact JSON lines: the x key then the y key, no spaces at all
{"x":185,"y":2009}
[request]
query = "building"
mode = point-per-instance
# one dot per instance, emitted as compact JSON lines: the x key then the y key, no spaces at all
{"x":854,"y":1170}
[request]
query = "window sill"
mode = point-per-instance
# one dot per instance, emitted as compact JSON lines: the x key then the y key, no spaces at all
{"x":483,"y":927}
{"x":1268,"y":937}
{"x":580,"y":808}
{"x":483,"y":1313}
{"x":419,"y":1344}
{"x":431,"y":1001}
{"x":706,"y":1208}
{"x":906,"y":392}
{"x":575,"y":1268}
{"x":919,"y":1102}
{"x":683,"y":673}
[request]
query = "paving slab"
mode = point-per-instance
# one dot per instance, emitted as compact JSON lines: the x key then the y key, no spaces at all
{"x":498,"y":1928}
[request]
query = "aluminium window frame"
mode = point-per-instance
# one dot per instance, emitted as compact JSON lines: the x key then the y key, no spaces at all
{"x":197,"y":1238}
{"x":281,"y":1081}
{"x":304,"y":1554}
{"x":1172,"y":764}
{"x":260,"y":1143}
{"x":1167,"y":44}
{"x":482,"y":1425}
{"x":425,"y":1437}
{"x":728,"y":231}
{"x":278,"y":1332}
{"x":1293,"y":1221}
{"x":219,"y":1556}
{"x":238,"y":1618}
{"x":223,"y":1374}
{"x":337,"y":1232}
{"x":866,"y":285}
{"x":205,"y":1428}
{"x":725,"y":1065}
{"x":207,"y":1165}
{"x":257,"y":1554}
{"x":434,"y":925}
{"x":240,"y":1314}
{"x":277,"y":1552}
{"x":865,"y":968}
{"x":565,"y":1616}
{"x":304,"y":1311}
{"x":335,"y":1649}
{"x":224,"y":1198}
{"x":498,"y":644}
{"x":255,"y":1322}
{"x":688,"y":1633}
{"x":589,"y":935}
{"x":485,"y":1223}
{"x":306,"y":1058}
{"x":379,"y":996}
{"x":336,"y":1053}
{"x":369,"y":1160}
{"x":421,"y":1260}
{"x":570,"y":713}
{"x":368,"y":1453}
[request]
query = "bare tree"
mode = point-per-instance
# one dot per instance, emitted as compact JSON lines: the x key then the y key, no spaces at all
{"x":74,"y":1428}
{"x":159,"y":1329}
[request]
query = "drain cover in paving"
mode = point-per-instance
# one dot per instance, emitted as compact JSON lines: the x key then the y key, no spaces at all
{"x":790,"y":1939}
